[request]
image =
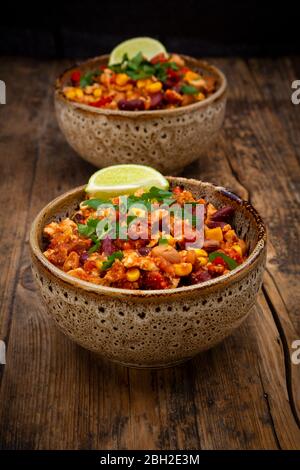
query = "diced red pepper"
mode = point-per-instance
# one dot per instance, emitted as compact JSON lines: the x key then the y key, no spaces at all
{"x":220,"y":261}
{"x":173,"y":75}
{"x":102,"y":102}
{"x":75,"y":77}
{"x":158,"y":58}
{"x":184,"y":70}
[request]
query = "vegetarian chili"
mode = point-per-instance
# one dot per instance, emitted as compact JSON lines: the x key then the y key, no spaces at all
{"x":139,"y":84}
{"x":85,"y":247}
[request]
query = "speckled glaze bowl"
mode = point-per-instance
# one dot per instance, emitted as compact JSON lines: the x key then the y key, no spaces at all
{"x":168,"y":140}
{"x":154,"y":328}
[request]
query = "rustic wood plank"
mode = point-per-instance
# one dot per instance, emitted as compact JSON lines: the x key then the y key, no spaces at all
{"x":259,"y":173}
{"x":267,"y":162}
{"x":234,"y":396}
{"x":22,"y":120}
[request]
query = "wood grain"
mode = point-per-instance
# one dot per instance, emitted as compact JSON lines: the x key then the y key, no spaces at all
{"x":243,"y":394}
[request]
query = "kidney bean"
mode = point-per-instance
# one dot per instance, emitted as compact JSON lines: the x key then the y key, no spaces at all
{"x":214,"y":224}
{"x":83,"y":257}
{"x":211,"y":245}
{"x":144,"y":250}
{"x":200,"y":276}
{"x":223,"y":214}
{"x":131,"y":105}
{"x":79,"y":218}
{"x":156,"y":100}
{"x":108,"y":246}
{"x":153,"y":280}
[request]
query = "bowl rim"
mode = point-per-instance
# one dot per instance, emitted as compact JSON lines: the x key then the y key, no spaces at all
{"x":221,"y":281}
{"x":146,"y":113}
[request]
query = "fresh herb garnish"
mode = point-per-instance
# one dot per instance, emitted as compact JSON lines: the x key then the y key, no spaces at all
{"x":130,"y":218}
{"x":163,"y":241}
{"x":95,"y":247}
{"x":231,"y":263}
{"x":88,"y":229}
{"x":94,"y":230}
{"x":111,"y":259}
{"x":139,"y":68}
{"x":94,"y":203}
{"x":103,"y":230}
{"x":88,"y":78}
{"x":189,"y":90}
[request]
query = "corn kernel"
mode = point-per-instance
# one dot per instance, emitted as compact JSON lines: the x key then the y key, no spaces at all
{"x":200,"y":252}
{"x":200,"y":96}
{"x":133,"y":274}
{"x":97,"y":92}
{"x":122,"y":79}
{"x":143,"y":82}
{"x":190,"y":76}
{"x":154,"y":87}
{"x":237,"y":248}
{"x":183,"y":269}
{"x":79,"y":93}
{"x":214,"y":234}
{"x":203,"y":260}
{"x":99,"y":264}
{"x":230,"y":236}
{"x":171,"y":240}
{"x":243,"y":246}
{"x":70,"y":93}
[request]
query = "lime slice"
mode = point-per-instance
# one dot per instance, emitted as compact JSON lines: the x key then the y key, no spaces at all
{"x":148,"y":46}
{"x":124,"y":179}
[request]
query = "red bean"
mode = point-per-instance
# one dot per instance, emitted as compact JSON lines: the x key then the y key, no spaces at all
{"x":84,"y":257}
{"x":200,"y":276}
{"x":223,"y":214}
{"x":156,"y":100}
{"x":131,"y":105}
{"x":108,"y":246}
{"x":214,"y":224}
{"x":144,"y":250}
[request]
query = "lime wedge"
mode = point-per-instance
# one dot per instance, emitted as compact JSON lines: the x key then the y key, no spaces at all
{"x":147,"y":46}
{"x":124,"y":179}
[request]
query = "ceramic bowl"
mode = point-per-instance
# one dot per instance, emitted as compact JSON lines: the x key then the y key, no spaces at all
{"x":152,"y":328}
{"x":167,"y":140}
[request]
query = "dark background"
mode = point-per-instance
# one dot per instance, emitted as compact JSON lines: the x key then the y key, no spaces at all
{"x":201,"y":28}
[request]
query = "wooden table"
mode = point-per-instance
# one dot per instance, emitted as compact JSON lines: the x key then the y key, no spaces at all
{"x":243,"y":394}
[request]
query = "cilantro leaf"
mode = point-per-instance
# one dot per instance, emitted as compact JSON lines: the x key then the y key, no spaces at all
{"x":94,"y":203}
{"x":163,"y":241}
{"x":189,"y":90}
{"x":95,"y":247}
{"x":88,"y":78}
{"x":103,"y":231}
{"x":130,"y":218}
{"x":88,"y":229}
{"x":111,"y":259}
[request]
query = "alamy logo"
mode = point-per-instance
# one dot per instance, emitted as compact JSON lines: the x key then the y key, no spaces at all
{"x":295,"y":97}
{"x":2,"y":352}
{"x":2,"y":92}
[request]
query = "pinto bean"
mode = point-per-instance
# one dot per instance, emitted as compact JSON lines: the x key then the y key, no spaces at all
{"x":131,"y":105}
{"x":167,"y":252}
{"x":223,"y":214}
{"x":72,"y":261}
